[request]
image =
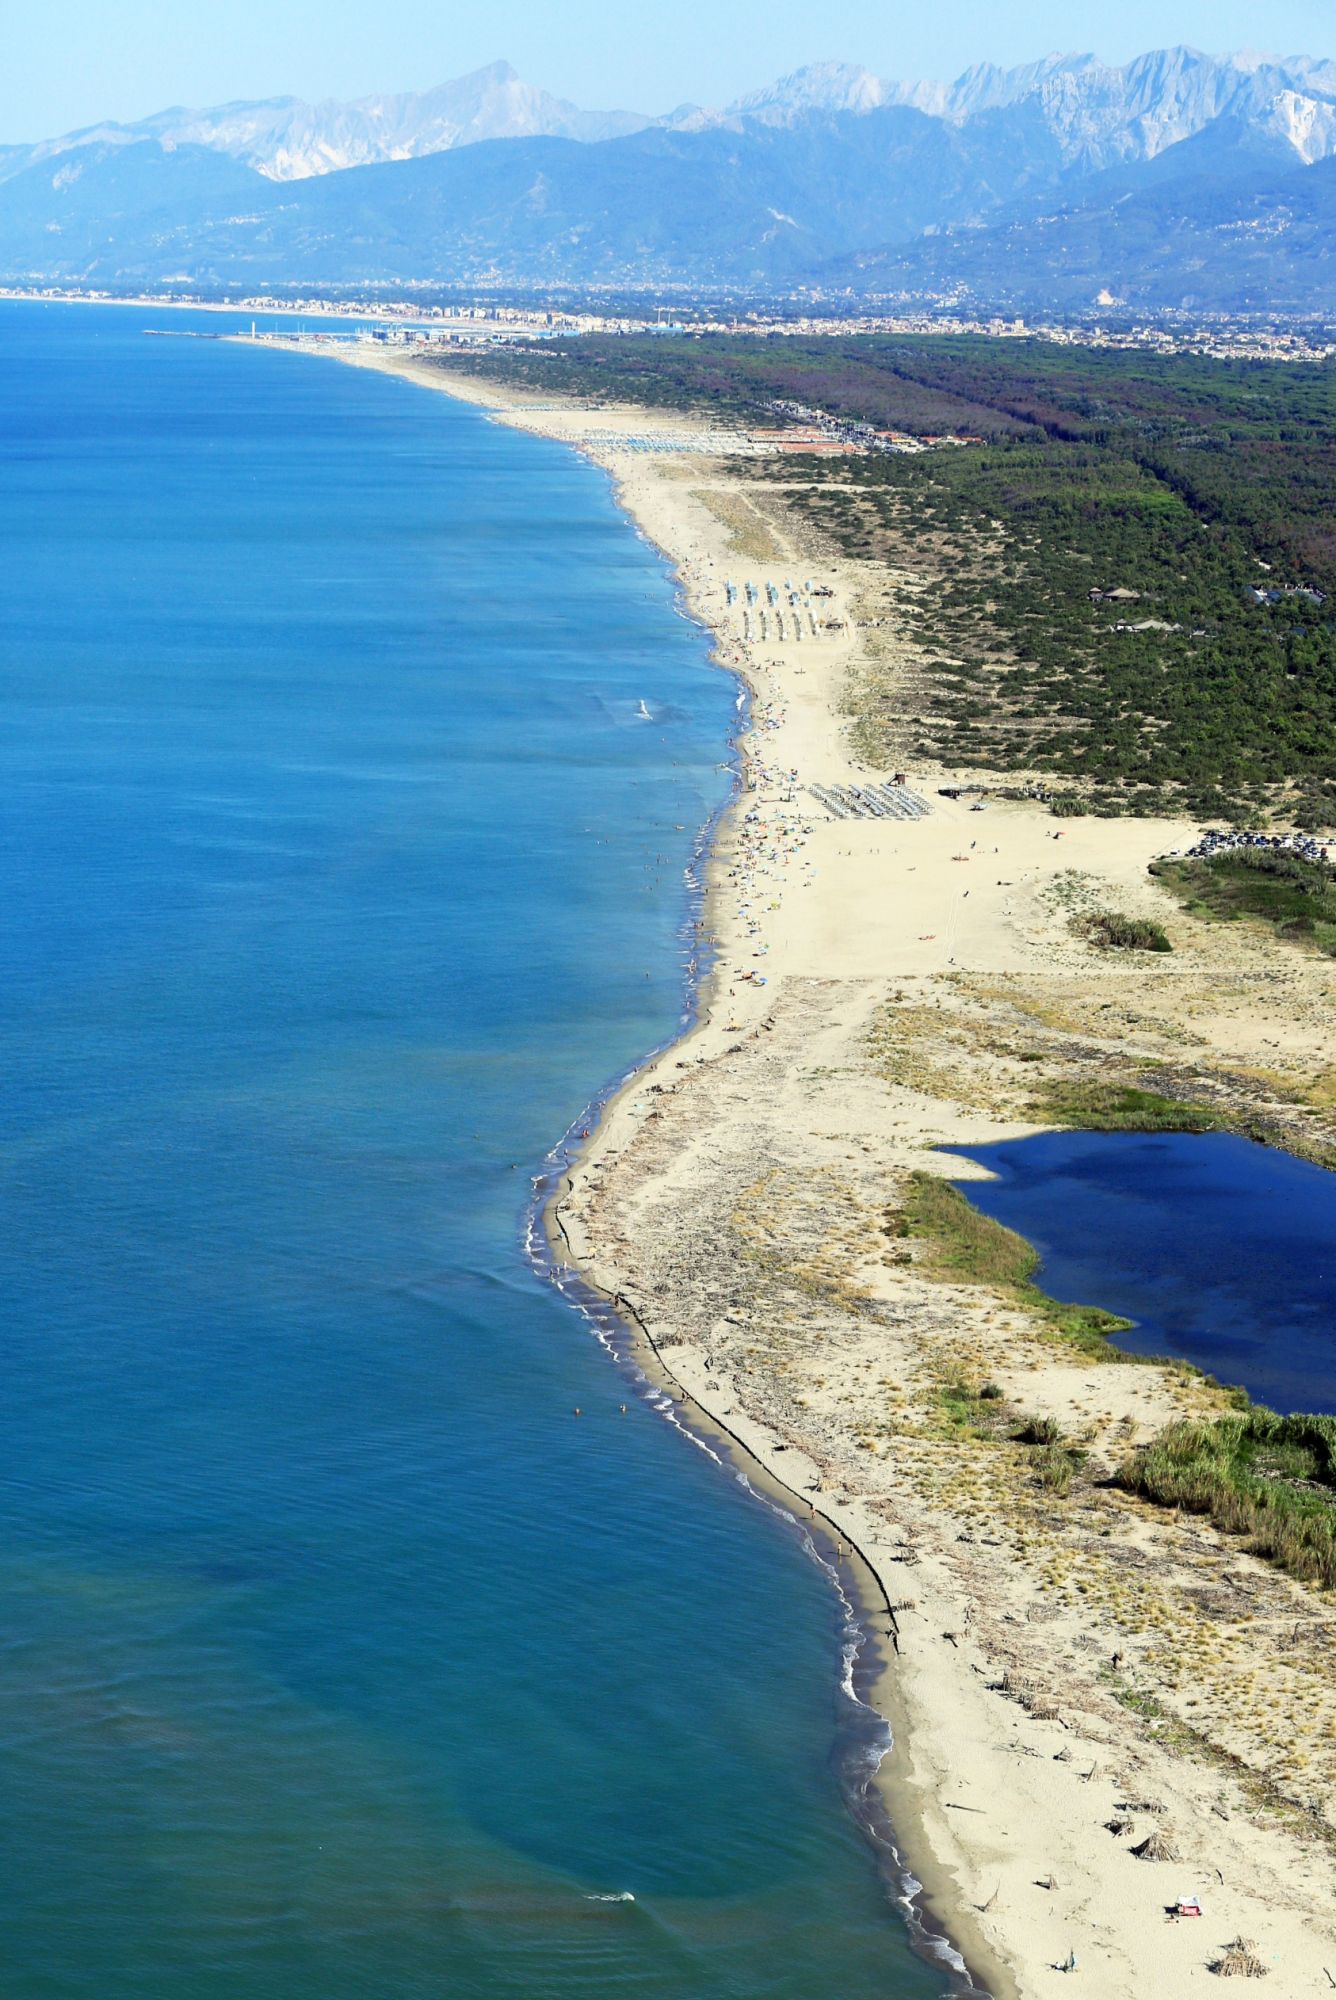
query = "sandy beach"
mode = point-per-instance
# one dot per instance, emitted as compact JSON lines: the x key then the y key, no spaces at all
{"x":1064,"y":1677}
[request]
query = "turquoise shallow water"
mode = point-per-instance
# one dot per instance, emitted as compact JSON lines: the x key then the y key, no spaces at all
{"x":339,"y":868}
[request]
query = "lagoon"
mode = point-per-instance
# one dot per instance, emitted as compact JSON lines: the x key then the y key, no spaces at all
{"x":1221,"y":1251}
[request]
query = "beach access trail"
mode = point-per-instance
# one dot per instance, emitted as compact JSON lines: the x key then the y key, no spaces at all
{"x":1066,"y":1676}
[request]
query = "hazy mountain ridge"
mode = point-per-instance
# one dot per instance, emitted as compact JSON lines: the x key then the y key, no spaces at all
{"x":662,"y":204}
{"x":1097,"y":115}
{"x":1177,"y":177}
{"x":285,"y":139}
{"x":307,"y":139}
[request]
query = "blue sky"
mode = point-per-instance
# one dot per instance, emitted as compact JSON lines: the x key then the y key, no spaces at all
{"x":70,"y":64}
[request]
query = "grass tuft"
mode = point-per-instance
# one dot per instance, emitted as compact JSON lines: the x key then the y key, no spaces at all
{"x":1054,"y":1466}
{"x":1040,"y":1430}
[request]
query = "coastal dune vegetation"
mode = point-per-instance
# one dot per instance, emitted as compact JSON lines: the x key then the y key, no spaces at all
{"x":960,"y":1245}
{"x":1295,"y":896}
{"x":1113,"y":930}
{"x":1267,"y":1479}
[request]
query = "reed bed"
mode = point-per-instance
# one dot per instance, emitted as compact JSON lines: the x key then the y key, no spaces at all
{"x":1269,"y":1478}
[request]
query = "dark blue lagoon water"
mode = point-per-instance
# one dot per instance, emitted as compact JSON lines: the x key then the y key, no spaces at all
{"x":1222,"y":1251}
{"x":339,"y":867}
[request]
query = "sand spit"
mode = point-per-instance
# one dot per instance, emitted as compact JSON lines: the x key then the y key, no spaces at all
{"x":1070,"y":1674}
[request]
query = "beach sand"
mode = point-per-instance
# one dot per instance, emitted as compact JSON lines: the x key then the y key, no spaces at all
{"x":1066,"y":1675}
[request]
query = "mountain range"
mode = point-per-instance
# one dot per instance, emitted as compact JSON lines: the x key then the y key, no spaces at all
{"x":1180,"y":179}
{"x":287,"y":140}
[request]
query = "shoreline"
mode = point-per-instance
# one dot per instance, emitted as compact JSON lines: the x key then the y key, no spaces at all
{"x":827,"y":957}
{"x":621,"y":1331}
{"x":919,"y":1886}
{"x":920,"y":1890}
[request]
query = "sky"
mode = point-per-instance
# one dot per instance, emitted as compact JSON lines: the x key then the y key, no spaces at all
{"x":91,"y":59}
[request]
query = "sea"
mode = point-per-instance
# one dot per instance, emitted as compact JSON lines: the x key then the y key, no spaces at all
{"x":1220,"y":1251}
{"x":366,"y":1628}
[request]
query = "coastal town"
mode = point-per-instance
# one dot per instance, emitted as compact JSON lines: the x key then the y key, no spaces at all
{"x":475,"y":320}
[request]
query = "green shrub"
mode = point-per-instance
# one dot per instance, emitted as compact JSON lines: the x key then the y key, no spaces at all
{"x":1112,"y":931}
{"x":1295,"y":896}
{"x":1121,"y":1107}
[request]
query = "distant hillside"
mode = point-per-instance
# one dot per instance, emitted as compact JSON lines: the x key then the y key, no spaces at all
{"x":758,"y":208}
{"x":1203,"y":239}
{"x":1179,"y":179}
{"x":104,"y":211}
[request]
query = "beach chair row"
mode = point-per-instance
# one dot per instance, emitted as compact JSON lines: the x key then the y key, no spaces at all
{"x":870,"y":801}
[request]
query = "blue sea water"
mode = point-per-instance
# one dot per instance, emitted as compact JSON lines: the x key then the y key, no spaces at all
{"x":339,"y":867}
{"x":1221,"y":1251}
